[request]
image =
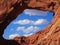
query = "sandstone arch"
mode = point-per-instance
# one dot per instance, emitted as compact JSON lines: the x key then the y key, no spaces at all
{"x":9,"y":10}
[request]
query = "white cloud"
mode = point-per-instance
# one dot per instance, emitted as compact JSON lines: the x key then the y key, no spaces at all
{"x":35,"y":12}
{"x":41,"y":21}
{"x":23,"y":22}
{"x":20,"y":28}
{"x":13,"y":35}
{"x":31,"y":29}
{"x":27,"y":34}
{"x":28,"y":29}
{"x":30,"y":22}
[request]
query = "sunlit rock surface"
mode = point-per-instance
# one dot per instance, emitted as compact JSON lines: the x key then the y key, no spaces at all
{"x":9,"y":10}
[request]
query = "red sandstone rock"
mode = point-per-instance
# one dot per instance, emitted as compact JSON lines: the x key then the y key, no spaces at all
{"x":9,"y":10}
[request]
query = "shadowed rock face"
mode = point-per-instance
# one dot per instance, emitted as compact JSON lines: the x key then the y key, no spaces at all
{"x":9,"y":10}
{"x":22,"y":40}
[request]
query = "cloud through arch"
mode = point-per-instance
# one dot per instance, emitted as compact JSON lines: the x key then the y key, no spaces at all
{"x":33,"y":12}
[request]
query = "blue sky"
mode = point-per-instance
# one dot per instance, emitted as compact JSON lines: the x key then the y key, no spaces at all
{"x":28,"y":23}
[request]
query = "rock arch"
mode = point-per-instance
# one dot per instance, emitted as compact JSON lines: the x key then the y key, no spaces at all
{"x":9,"y":10}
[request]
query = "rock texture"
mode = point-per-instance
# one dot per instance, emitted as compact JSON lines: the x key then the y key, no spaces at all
{"x":9,"y":10}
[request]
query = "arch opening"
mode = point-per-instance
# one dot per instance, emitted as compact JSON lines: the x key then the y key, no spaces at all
{"x":27,"y":23}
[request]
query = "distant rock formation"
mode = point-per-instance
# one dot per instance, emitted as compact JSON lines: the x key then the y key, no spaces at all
{"x":9,"y":10}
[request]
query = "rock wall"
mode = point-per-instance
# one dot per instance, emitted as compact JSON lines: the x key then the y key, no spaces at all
{"x":9,"y":10}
